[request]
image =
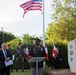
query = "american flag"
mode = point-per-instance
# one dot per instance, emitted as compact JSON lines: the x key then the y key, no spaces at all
{"x":31,"y":5}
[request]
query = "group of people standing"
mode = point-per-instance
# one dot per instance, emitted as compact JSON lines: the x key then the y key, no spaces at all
{"x":7,"y":54}
{"x":35,"y":50}
{"x":19,"y":55}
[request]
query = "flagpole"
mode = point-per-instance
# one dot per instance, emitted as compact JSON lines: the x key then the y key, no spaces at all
{"x":43,"y":28}
{"x":43,"y":24}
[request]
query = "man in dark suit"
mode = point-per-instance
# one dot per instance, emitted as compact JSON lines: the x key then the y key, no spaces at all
{"x":5,"y":55}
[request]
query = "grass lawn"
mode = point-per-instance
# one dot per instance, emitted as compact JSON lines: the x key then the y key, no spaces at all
{"x":26,"y":72}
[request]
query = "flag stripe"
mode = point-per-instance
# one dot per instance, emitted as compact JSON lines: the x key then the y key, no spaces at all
{"x":37,"y":0}
{"x":25,"y":8}
{"x":26,"y":3}
{"x":33,"y":4}
{"x":32,"y":8}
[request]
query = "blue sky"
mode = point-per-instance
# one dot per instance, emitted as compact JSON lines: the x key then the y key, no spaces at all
{"x":11,"y":18}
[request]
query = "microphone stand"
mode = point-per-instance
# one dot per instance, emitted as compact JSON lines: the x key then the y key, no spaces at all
{"x":36,"y":64}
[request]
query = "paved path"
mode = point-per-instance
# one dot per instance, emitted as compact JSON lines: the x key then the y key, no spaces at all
{"x":62,"y":73}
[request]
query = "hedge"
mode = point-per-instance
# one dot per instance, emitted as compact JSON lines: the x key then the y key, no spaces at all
{"x":64,"y":54}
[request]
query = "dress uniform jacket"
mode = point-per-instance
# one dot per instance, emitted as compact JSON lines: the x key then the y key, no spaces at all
{"x":37,"y":51}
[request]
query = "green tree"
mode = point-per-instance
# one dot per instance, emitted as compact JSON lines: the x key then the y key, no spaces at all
{"x":64,"y":25}
{"x":14,"y":43}
{"x":27,"y":39}
{"x":7,"y":36}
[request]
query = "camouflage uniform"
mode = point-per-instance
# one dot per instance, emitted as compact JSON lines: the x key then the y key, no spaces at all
{"x":19,"y":59}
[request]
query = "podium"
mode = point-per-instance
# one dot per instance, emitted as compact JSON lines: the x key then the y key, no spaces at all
{"x":37,"y":59}
{"x":72,"y":55}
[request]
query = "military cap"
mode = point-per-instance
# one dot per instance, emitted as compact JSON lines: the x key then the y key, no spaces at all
{"x":37,"y":39}
{"x":19,"y":43}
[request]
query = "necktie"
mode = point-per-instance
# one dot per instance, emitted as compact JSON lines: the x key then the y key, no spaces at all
{"x":4,"y":51}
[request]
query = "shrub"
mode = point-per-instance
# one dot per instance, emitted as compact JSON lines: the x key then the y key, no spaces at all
{"x":64,"y":53}
{"x":46,"y":71}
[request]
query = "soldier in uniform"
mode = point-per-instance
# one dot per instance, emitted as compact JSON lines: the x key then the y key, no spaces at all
{"x":11,"y":51}
{"x":37,"y":50}
{"x":19,"y":58}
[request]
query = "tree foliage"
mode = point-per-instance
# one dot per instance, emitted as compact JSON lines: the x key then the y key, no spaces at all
{"x":7,"y":36}
{"x":14,"y":43}
{"x":27,"y":39}
{"x":64,"y":25}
